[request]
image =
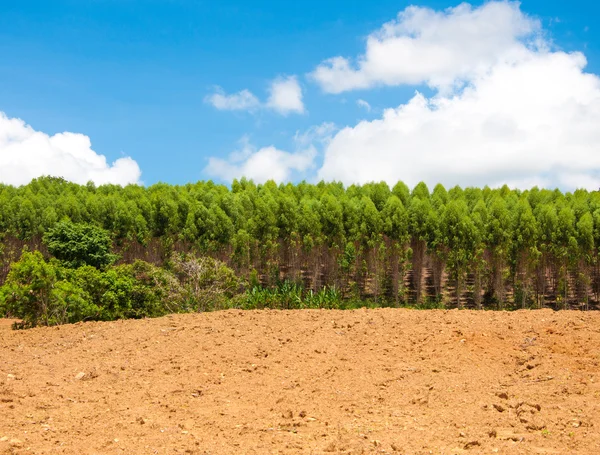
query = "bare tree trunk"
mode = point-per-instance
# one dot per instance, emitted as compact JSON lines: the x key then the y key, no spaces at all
{"x":418,"y":262}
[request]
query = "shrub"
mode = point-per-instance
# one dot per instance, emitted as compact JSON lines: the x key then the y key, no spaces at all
{"x":208,"y":282}
{"x":135,"y":290}
{"x":44,"y":292}
{"x":40,"y":293}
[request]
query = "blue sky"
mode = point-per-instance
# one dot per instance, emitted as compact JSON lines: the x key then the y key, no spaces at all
{"x":134,"y":76}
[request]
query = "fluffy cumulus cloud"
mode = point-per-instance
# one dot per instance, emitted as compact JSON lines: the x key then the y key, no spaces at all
{"x":285,"y":97}
{"x":525,"y":113}
{"x":260,"y":165}
{"x":241,"y":101}
{"x":534,"y":122}
{"x":26,"y":154}
{"x":440,"y":48}
{"x":508,"y":107}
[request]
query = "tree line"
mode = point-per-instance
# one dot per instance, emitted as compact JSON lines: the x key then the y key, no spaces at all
{"x":457,"y":247}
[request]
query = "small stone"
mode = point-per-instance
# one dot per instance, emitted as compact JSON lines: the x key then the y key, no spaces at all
{"x":508,"y":435}
{"x":302,"y":414}
{"x":470,"y":444}
{"x":116,"y":440}
{"x":80,"y":375}
{"x":10,"y":376}
{"x":4,"y":439}
{"x":15,"y":442}
{"x":502,"y":395}
{"x":499,"y":408}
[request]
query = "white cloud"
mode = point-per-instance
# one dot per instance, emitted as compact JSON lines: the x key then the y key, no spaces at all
{"x":440,"y":48}
{"x":26,"y":154}
{"x":364,"y":104}
{"x":531,"y":122}
{"x":267,"y":163}
{"x":318,"y":134}
{"x":286,"y":96}
{"x":508,"y":107}
{"x":241,"y":101}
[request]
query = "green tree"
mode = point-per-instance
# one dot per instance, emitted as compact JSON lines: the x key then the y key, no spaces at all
{"x":525,"y":253}
{"x":585,"y":254}
{"x":460,"y":237}
{"x":499,"y":237}
{"x":40,"y":293}
{"x":565,"y":247}
{"x":80,"y":244}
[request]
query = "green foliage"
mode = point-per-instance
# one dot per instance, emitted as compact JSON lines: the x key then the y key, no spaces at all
{"x":287,"y":295}
{"x":42,"y":293}
{"x":79,"y":244}
{"x":208,"y":283}
{"x":483,"y":246}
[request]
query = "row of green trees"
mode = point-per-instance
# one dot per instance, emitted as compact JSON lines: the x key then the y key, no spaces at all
{"x":465,"y":247}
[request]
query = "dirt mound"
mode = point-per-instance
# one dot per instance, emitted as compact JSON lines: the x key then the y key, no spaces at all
{"x":305,"y":382}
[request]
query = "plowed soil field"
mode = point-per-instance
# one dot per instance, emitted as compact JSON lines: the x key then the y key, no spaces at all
{"x":306,"y":382}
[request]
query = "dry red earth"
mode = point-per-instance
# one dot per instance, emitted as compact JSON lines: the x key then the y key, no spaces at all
{"x":306,"y":382}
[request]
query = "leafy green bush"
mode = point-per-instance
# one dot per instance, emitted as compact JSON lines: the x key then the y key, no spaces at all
{"x":44,"y":292}
{"x":41,"y":293}
{"x":51,"y":292}
{"x":132,"y":291}
{"x":78,"y":244}
{"x":209,"y":284}
{"x":159,"y":289}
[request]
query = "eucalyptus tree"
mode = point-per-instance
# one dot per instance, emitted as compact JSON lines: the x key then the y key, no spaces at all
{"x":525,"y":252}
{"x":564,"y":246}
{"x":585,"y":256}
{"x":460,"y":236}
{"x":498,"y":239}
{"x":547,"y":220}
{"x":419,"y":214}
{"x":396,"y":228}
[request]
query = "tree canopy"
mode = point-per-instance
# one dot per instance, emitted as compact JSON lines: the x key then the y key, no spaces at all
{"x":470,"y":246}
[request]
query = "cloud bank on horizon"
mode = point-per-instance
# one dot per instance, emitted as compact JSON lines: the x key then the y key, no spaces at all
{"x":508,"y":107}
{"x":268,"y":163}
{"x":26,"y":154}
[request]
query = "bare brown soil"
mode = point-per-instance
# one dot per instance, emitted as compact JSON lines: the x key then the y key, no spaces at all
{"x":306,"y":382}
